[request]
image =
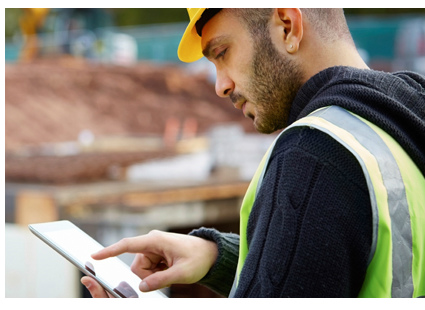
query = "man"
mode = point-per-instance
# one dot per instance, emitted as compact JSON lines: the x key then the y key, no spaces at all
{"x":336,"y":206}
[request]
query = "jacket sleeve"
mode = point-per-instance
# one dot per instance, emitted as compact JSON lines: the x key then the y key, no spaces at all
{"x":220,"y":277}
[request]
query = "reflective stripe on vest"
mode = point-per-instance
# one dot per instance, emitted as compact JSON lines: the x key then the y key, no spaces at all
{"x":397,"y":193}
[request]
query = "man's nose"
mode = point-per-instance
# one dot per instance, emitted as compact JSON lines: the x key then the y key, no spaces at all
{"x":224,"y":86}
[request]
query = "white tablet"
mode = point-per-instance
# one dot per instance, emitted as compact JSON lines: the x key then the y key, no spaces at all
{"x":76,"y":246}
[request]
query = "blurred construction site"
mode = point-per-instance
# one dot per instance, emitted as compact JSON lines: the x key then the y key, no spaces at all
{"x":106,"y":128}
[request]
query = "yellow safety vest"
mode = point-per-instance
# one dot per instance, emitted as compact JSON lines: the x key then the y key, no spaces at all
{"x":397,"y":194}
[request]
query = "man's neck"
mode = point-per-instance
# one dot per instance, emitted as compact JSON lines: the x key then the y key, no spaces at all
{"x":337,"y":54}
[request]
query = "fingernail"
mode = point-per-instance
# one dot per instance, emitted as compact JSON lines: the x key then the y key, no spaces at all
{"x":87,"y":285}
{"x":144,"y":287}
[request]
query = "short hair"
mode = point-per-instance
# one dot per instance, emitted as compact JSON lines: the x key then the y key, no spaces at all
{"x":330,"y":24}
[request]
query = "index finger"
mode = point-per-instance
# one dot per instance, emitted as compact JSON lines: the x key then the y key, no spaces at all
{"x":126,"y":245}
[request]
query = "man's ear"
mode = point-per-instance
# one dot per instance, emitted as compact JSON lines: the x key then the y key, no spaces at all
{"x":291,"y":26}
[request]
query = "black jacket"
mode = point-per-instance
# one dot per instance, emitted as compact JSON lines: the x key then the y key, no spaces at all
{"x":310,"y":229}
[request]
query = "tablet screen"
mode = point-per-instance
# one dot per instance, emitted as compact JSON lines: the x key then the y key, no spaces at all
{"x":112,"y":271}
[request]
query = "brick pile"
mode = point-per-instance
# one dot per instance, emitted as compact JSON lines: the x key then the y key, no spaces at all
{"x":52,"y":101}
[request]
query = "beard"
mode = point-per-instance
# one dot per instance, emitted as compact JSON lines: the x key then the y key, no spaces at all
{"x":274,"y":81}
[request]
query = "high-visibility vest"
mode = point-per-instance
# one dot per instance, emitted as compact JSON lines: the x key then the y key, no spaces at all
{"x":397,"y":194}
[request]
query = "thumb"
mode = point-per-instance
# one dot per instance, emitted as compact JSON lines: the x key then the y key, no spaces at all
{"x":158,"y":280}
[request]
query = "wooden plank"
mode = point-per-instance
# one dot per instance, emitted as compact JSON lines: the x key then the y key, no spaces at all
{"x":35,"y":207}
{"x":201,"y":193}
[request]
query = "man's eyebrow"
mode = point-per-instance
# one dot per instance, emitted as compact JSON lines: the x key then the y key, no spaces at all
{"x":207,"y":51}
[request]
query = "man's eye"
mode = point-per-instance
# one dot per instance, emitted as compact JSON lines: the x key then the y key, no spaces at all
{"x":221,"y":54}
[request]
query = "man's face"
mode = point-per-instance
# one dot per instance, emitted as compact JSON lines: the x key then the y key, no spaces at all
{"x":257,"y":78}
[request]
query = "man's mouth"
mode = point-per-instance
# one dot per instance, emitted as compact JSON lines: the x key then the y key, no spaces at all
{"x":247,"y":113}
{"x":239,"y":104}
{"x":243,"y":107}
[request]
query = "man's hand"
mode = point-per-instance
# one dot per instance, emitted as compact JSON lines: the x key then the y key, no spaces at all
{"x":95,"y":289}
{"x":161,"y":259}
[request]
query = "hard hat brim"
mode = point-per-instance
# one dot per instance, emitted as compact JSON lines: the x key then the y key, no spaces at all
{"x":190,"y":48}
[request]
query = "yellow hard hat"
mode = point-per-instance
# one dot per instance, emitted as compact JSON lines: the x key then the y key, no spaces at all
{"x":190,"y":45}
